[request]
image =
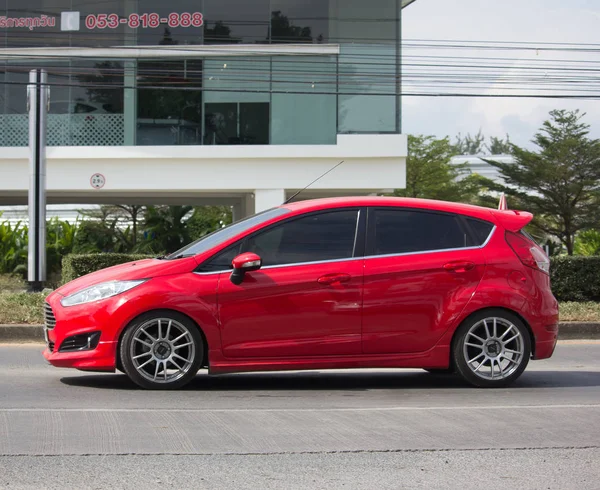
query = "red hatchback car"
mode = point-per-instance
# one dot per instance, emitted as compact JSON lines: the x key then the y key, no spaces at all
{"x":366,"y":282}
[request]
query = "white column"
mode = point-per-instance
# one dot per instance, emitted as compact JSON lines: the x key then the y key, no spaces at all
{"x":130,"y":103}
{"x":237,"y":212}
{"x":268,"y":198}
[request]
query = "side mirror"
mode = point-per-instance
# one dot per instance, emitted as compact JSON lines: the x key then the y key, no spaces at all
{"x":243,"y":263}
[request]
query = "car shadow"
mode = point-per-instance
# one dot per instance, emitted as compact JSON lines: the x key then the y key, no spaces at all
{"x":340,"y":381}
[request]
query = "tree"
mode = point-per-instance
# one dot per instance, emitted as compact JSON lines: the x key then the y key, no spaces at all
{"x":207,"y":219}
{"x":283,"y":31}
{"x":587,"y":243}
{"x":430,"y":175}
{"x":94,"y":236}
{"x":469,"y":145}
{"x":165,"y":229}
{"x":498,"y":146}
{"x":559,"y":183}
{"x":219,"y":34}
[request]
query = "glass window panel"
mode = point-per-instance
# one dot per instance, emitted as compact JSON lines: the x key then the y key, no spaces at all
{"x":299,"y":21}
{"x":325,"y":236}
{"x":163,"y":23}
{"x":236,"y":21}
{"x":360,"y":21}
{"x":402,"y":231}
{"x":100,"y":23}
{"x":169,"y":104}
{"x":367,"y":84}
{"x":481,"y":230}
{"x":35,"y":23}
{"x":237,"y":101}
{"x":237,"y":79}
{"x":367,"y":32}
{"x":304,"y":101}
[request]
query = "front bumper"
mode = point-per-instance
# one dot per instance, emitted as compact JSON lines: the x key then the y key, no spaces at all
{"x":69,"y":322}
{"x":102,"y":358}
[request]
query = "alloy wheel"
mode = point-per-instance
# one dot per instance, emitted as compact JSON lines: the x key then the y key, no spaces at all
{"x":494,"y":348}
{"x":162,"y":350}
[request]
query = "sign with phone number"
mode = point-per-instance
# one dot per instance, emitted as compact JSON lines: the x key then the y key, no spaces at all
{"x":148,"y":20}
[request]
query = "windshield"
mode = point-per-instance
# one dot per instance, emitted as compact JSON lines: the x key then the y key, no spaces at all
{"x":222,"y":234}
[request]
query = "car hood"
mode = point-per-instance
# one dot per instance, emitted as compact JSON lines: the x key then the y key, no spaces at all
{"x":140,"y":269}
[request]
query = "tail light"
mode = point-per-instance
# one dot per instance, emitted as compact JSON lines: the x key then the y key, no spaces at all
{"x":528,"y":252}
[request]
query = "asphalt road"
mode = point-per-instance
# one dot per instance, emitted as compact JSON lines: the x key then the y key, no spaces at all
{"x":354,"y":429}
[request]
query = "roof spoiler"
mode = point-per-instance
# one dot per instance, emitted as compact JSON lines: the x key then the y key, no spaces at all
{"x":502,"y":205}
{"x":511,"y":220}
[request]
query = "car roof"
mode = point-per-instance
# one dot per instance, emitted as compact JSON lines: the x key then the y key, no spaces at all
{"x":385,"y":201}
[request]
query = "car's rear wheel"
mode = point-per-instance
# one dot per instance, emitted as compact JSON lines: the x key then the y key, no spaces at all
{"x":491,"y":349}
{"x":162,"y":350}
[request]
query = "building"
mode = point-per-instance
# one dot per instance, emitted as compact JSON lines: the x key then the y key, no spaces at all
{"x":233,"y":102}
{"x":476,"y":165}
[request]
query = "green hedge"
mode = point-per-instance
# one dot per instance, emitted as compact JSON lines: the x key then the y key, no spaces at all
{"x":74,"y":266}
{"x":576,"y":278}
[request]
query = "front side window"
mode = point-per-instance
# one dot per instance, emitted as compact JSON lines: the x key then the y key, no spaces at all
{"x":313,"y":238}
{"x":398,"y":231}
{"x":221,"y":235}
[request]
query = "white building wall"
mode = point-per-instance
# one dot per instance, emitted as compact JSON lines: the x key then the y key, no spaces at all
{"x":372,"y":163}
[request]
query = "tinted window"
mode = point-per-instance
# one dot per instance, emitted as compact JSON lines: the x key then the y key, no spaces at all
{"x":209,"y":241}
{"x":325,"y":236}
{"x":480,"y":230}
{"x":403,"y":231}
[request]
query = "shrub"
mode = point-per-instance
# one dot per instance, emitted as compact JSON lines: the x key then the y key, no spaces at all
{"x":576,"y":278}
{"x":75,"y":266}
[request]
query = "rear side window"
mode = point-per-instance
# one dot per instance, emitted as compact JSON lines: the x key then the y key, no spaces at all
{"x":399,"y":231}
{"x":480,"y":230}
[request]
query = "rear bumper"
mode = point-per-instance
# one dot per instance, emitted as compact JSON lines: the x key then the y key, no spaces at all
{"x":546,"y":338}
{"x":544,"y":350}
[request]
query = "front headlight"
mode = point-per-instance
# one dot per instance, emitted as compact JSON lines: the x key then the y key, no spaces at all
{"x":99,"y":291}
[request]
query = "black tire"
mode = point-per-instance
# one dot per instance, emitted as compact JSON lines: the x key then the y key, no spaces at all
{"x":489,"y":350}
{"x":193,"y":351}
{"x":440,"y":371}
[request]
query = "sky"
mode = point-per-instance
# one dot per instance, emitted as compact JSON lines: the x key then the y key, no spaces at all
{"x":531,"y":21}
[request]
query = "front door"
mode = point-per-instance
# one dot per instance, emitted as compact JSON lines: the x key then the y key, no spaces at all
{"x":421,"y":269}
{"x":306,"y":300}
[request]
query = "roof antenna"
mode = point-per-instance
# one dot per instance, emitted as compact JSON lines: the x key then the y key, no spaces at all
{"x":317,"y":179}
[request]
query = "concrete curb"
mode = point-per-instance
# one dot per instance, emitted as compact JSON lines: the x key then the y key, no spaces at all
{"x":35,"y":333}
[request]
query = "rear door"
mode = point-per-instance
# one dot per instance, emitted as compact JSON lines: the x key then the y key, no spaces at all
{"x":421,"y":269}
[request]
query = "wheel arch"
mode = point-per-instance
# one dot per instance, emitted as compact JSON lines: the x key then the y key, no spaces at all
{"x":118,"y":362}
{"x":488,"y":308}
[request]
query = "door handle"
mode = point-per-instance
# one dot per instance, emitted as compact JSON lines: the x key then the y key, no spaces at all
{"x":459,"y":266}
{"x":334,"y":278}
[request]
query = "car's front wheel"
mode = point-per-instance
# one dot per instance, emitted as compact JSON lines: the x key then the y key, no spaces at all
{"x":491,"y":349}
{"x":162,"y":350}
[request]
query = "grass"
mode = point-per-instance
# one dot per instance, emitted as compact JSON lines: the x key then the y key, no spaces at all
{"x":580,"y":312}
{"x":11,"y":283}
{"x":18,"y":306}
{"x":21,"y":308}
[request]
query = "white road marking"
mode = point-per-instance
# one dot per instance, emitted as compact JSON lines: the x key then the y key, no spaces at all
{"x":290,"y":410}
